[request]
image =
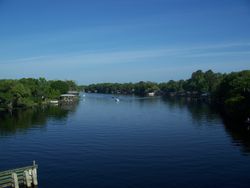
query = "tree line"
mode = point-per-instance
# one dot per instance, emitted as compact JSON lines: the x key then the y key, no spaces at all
{"x":199,"y":83}
{"x":231,"y":91}
{"x":28,"y":92}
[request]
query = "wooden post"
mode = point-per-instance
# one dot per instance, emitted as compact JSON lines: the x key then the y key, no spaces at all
{"x":14,"y":180}
{"x":27,"y":178}
{"x":34,"y":176}
{"x":25,"y":175}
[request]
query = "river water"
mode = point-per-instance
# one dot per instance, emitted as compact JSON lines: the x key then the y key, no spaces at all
{"x":137,"y":142}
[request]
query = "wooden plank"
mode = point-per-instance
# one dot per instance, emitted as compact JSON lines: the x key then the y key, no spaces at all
{"x":17,"y":170}
{"x":3,"y":180}
{"x":20,"y":169}
{"x":16,"y":176}
{"x":20,"y":176}
{"x":5,"y":177}
{"x":9,"y":180}
{"x":15,"y":183}
{"x":5,"y":185}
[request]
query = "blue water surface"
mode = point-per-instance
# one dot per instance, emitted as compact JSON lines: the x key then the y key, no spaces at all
{"x":137,"y":142}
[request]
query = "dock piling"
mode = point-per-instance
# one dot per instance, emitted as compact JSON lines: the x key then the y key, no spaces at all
{"x":27,"y":179}
{"x":14,"y":180}
{"x":34,"y":176}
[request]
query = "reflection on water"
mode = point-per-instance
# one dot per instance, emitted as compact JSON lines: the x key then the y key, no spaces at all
{"x":202,"y":112}
{"x":137,"y":142}
{"x":21,"y":120}
{"x":199,"y":111}
{"x":240,"y":135}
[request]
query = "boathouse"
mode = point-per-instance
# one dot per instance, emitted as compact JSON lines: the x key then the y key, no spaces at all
{"x":68,"y":97}
{"x":73,"y":93}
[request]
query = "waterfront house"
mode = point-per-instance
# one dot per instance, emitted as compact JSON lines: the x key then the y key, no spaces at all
{"x":76,"y":93}
{"x":68,"y":97}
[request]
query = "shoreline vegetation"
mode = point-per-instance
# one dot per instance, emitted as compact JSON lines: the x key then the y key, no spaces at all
{"x":230,"y":92}
{"x":30,"y":92}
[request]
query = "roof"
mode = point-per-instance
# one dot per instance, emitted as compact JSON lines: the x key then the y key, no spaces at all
{"x":69,"y":92}
{"x":67,"y":95}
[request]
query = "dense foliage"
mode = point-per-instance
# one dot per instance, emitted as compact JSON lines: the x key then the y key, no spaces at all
{"x":231,"y":91}
{"x":140,"y":88}
{"x":28,"y":92}
{"x":199,"y":83}
{"x":234,"y":94}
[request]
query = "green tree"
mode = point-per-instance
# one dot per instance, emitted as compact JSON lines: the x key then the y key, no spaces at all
{"x":59,"y":85}
{"x":234,"y":94}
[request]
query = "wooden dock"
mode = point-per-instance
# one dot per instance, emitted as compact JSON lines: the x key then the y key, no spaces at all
{"x":25,"y":176}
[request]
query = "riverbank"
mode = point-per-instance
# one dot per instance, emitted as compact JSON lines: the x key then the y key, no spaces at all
{"x":30,"y":92}
{"x":231,"y":92}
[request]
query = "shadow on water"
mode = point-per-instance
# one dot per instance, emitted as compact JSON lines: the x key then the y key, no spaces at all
{"x":201,"y":111}
{"x":22,"y":120}
{"x":240,"y":134}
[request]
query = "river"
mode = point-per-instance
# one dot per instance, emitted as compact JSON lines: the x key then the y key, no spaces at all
{"x":137,"y":142}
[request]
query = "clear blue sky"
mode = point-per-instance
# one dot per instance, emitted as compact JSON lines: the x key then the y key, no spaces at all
{"x":122,"y":40}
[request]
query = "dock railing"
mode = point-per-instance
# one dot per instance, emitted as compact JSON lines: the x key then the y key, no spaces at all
{"x":26,"y":176}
